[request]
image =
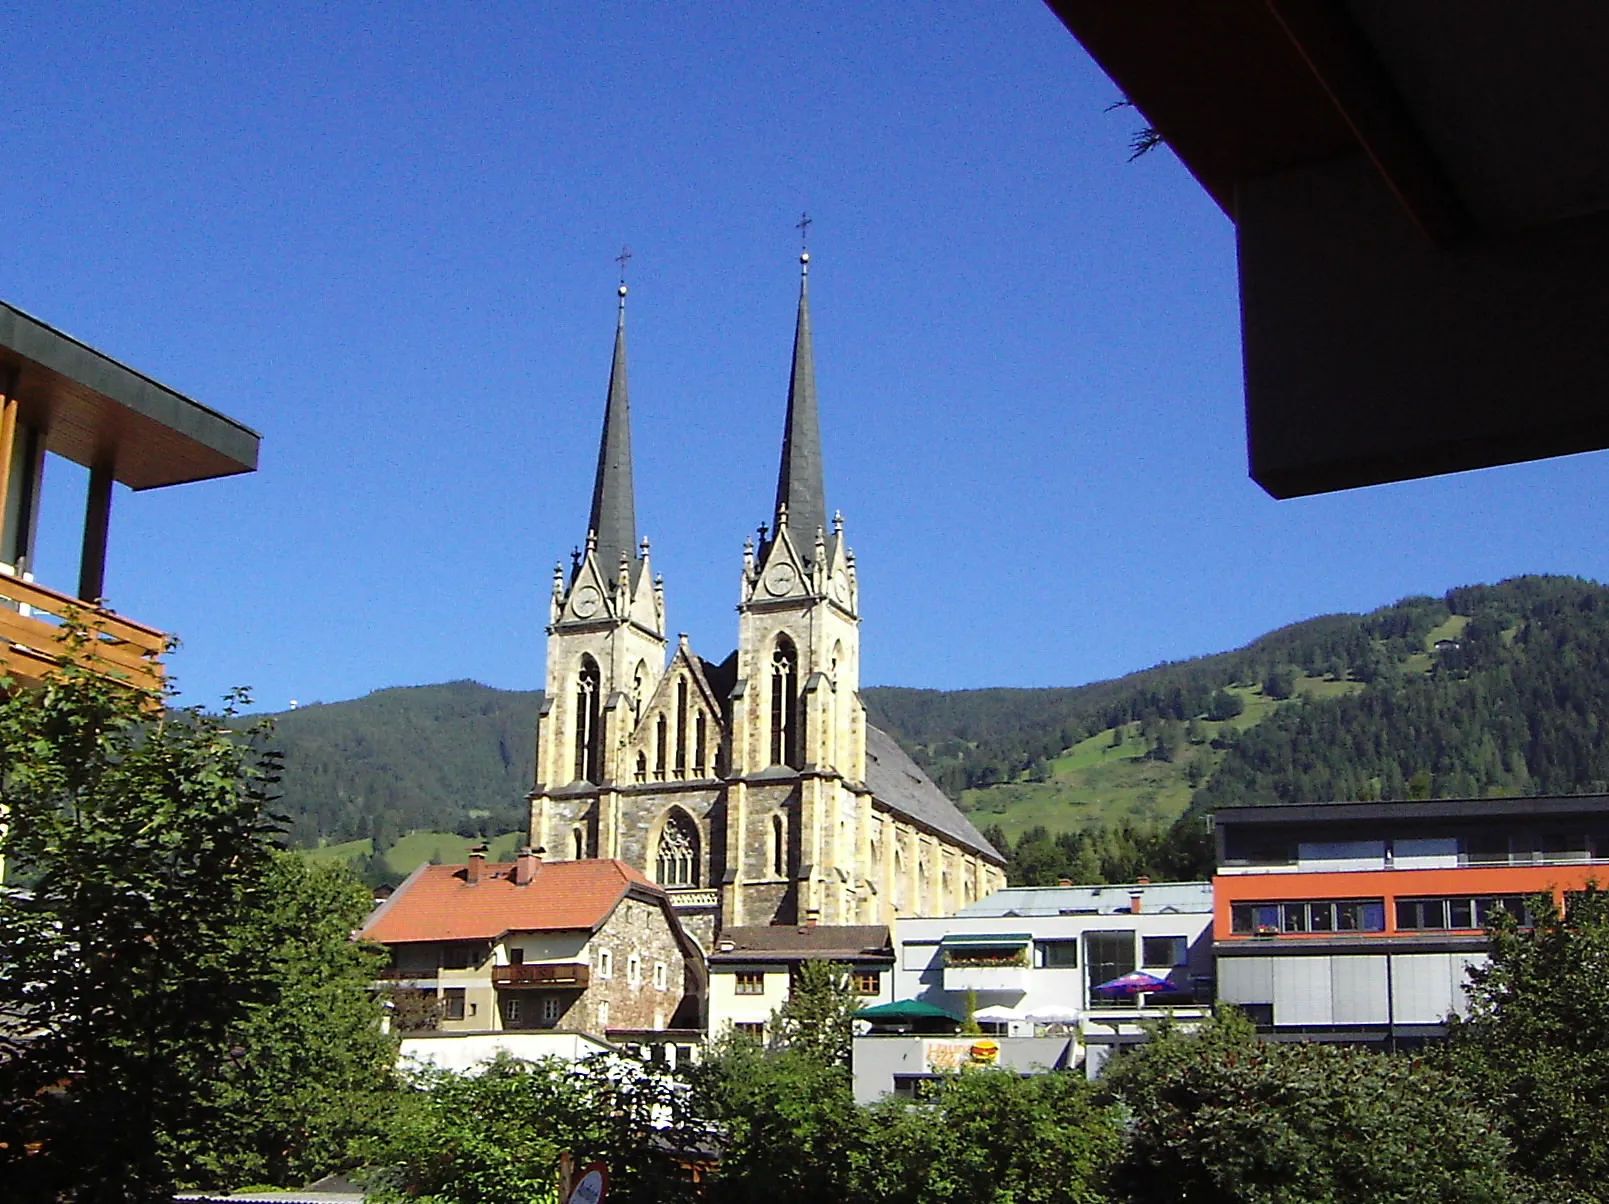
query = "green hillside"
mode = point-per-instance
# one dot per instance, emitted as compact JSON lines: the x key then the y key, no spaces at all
{"x":1487,"y":690}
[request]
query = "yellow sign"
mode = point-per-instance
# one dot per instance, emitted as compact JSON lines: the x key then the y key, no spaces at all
{"x":985,"y":1051}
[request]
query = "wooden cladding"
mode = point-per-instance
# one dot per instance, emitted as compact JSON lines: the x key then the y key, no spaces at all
{"x":567,"y":974}
{"x":31,"y":648}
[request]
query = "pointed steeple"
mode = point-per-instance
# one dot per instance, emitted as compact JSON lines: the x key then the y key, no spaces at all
{"x":613,"y":525}
{"x":800,"y":493}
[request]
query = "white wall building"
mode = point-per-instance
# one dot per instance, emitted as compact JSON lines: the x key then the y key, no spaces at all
{"x":1031,"y":958}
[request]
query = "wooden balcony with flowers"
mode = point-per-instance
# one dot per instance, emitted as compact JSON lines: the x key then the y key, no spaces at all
{"x":575,"y":975}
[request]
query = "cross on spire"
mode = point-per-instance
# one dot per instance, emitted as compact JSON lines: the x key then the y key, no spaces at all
{"x":804,"y":231}
{"x":623,"y":259}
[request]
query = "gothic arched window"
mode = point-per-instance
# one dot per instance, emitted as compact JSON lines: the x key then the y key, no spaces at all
{"x":639,"y":687}
{"x":681,"y":727}
{"x":642,"y":767}
{"x":784,"y":703}
{"x":578,"y":845}
{"x":660,"y":736}
{"x":700,"y":740}
{"x":586,"y":721}
{"x":779,"y":847}
{"x":677,"y":860}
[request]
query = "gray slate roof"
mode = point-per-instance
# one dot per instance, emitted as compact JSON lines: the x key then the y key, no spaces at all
{"x":614,"y":506}
{"x":902,"y":787}
{"x":1156,"y":898}
{"x":799,"y":483}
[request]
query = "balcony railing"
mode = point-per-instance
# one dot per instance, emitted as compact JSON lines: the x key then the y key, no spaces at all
{"x":693,"y":897}
{"x":392,"y":974}
{"x":32,"y":647}
{"x":563,"y":974}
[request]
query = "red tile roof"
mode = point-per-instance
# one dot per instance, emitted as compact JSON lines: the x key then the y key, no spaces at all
{"x":436,"y":903}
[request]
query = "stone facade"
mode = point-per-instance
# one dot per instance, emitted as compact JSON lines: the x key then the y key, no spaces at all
{"x":745,"y":789}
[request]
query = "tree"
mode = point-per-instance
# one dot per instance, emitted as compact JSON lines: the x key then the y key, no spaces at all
{"x":816,"y":1020}
{"x":144,"y":838}
{"x":990,"y":1137}
{"x":1279,"y":684}
{"x":793,"y":1134}
{"x":497,"y":1135}
{"x":314,"y":1072}
{"x":1221,"y":1117}
{"x":1535,"y":1043}
{"x":1225,"y":704}
{"x":178,"y":1000}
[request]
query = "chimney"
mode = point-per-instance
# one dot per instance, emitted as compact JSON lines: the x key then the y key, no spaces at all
{"x":1136,"y":897}
{"x":525,"y":868}
{"x":477,"y":862}
{"x":812,"y":917}
{"x":1064,"y":881}
{"x":1143,"y":880}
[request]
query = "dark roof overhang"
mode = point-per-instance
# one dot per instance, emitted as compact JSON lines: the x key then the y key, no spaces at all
{"x":96,"y":411}
{"x":1421,"y":197}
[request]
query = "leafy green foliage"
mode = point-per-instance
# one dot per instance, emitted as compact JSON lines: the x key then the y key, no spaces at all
{"x":1181,"y":852}
{"x":498,"y":1135}
{"x":991,"y":1137}
{"x":122,"y":975}
{"x":816,"y":1019}
{"x":1220,"y":1117}
{"x":1535,"y":1044}
{"x":311,"y":1071}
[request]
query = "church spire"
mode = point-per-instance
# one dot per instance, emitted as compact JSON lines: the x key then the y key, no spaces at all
{"x":801,"y":497}
{"x":613,"y":525}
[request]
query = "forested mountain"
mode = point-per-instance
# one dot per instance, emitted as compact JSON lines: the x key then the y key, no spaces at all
{"x":1500,"y":689}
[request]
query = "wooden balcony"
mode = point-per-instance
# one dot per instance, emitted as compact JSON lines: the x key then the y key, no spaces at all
{"x":565,"y":974}
{"x":33,"y":641}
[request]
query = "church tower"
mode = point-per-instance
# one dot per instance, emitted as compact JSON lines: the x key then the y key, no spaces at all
{"x":605,"y":650}
{"x":797,"y":739}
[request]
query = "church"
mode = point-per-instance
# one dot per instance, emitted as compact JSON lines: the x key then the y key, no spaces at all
{"x":753,"y":790}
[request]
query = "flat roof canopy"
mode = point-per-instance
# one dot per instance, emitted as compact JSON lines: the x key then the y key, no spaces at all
{"x":96,"y":411}
{"x":1421,"y":196}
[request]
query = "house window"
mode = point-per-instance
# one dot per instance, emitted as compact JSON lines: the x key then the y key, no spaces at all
{"x":1107,"y":955}
{"x":462,"y":956}
{"x":606,"y":964}
{"x":634,"y":970}
{"x":867,"y":982}
{"x":1058,"y":955}
{"x":753,"y":1030}
{"x":511,"y":1010}
{"x":661,"y":976}
{"x":578,"y":844}
{"x":1166,"y":951}
{"x":749,"y":982}
{"x":516,"y":957}
{"x":551,"y":1009}
{"x":1456,"y":913}
{"x":1318,"y":915}
{"x":681,"y":727}
{"x":452,"y":1003}
{"x":784,"y":695}
{"x":677,"y":861}
{"x":586,"y":721}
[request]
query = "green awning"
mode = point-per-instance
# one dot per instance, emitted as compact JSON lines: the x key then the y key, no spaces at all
{"x":905,"y":1009}
{"x":992,"y":939}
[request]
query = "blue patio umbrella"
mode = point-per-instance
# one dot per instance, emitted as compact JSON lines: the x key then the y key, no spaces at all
{"x":1136,"y":982}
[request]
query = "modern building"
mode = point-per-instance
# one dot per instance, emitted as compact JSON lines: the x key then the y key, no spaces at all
{"x":754,"y":790}
{"x":1028,"y":960}
{"x":751,"y":970}
{"x":584,"y":946}
{"x":1359,"y":921}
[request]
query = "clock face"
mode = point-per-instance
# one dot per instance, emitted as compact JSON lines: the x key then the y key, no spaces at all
{"x":587,"y":600}
{"x":780,"y":579}
{"x":840,"y":591}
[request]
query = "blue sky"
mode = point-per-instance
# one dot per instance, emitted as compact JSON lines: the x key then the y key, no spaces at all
{"x":383,"y":236}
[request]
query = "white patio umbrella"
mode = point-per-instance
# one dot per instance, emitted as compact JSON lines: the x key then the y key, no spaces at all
{"x":1053,"y":1013}
{"x":997,"y":1013}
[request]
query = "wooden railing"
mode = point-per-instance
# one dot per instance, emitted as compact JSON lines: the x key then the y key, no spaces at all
{"x":568,"y":974}
{"x":32,"y":647}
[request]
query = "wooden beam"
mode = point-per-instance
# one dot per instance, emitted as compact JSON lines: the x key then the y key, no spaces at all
{"x":97,"y":520}
{"x":8,"y":433}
